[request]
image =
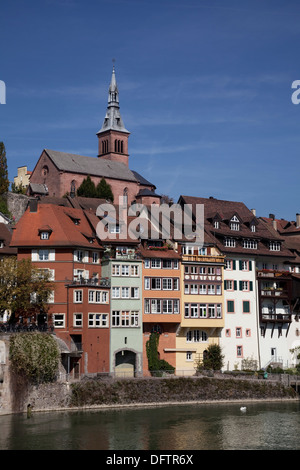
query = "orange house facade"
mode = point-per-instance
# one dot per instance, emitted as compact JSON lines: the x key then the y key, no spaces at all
{"x":161,"y":301}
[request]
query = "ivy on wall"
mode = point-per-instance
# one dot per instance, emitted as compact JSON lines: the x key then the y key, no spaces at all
{"x":34,"y":356}
{"x":154,"y":363}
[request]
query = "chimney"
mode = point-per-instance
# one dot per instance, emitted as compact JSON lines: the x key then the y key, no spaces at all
{"x":33,"y":205}
{"x":253,"y":211}
{"x":297,"y":220}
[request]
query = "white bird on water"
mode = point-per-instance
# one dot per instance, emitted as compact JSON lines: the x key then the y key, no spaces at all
{"x":243,"y":408}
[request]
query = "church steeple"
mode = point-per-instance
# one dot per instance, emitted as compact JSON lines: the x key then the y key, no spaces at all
{"x":113,"y":136}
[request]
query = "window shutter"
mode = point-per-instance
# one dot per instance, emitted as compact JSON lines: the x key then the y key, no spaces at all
{"x":235,"y":285}
{"x":250,"y":265}
{"x":241,"y":285}
{"x":233,"y":264}
{"x":225,"y":285}
{"x":241,"y":265}
{"x":251,"y":285}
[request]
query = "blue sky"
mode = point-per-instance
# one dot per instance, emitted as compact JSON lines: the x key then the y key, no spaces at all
{"x":204,"y":85}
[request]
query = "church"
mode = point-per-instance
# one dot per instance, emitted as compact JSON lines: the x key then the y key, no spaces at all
{"x":58,"y":174}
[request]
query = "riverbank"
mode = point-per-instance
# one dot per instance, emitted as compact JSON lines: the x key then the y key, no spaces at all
{"x":148,"y":392}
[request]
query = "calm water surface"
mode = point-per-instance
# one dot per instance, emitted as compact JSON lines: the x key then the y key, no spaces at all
{"x":268,"y":426}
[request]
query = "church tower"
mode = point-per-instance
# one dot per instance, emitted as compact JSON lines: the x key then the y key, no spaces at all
{"x":113,"y":136}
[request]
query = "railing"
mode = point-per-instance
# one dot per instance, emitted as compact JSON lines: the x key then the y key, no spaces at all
{"x":103,"y":282}
{"x":282,"y":317}
{"x":24,"y":328}
{"x":203,"y":258}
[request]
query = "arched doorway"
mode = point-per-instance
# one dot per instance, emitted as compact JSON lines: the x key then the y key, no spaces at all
{"x":125,"y":363}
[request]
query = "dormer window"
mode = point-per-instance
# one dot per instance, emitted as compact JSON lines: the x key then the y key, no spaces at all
{"x":45,"y":232}
{"x":234,"y":223}
{"x":44,"y":235}
{"x":216,"y":224}
{"x":114,"y":228}
{"x":275,"y":246}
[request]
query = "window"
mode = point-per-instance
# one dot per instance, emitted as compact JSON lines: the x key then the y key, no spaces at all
{"x":202,"y":289}
{"x":167,"y":306}
{"x":250,"y":244}
{"x":189,"y":356}
{"x":229,"y":285}
{"x":244,"y":285}
{"x":238,"y":332}
{"x":244,"y":266}
{"x":114,"y":229}
{"x":95,"y":257}
{"x":125,"y":270}
{"x":239,"y":351}
{"x":134,"y":270}
{"x":155,"y":263}
{"x":167,"y":283}
{"x":167,"y":264}
{"x":155,"y":306}
{"x":59,"y":320}
{"x":77,"y":319}
{"x":125,"y":318}
{"x":216,"y":224}
{"x":78,"y":256}
{"x":147,"y":263}
{"x":135,"y":293}
{"x":211,"y":289}
{"x":115,"y":292}
{"x":229,"y":242}
{"x":97,"y":320}
{"x":234,"y":223}
{"x":115,"y":270}
{"x":274,"y":246}
{"x":155,"y":283}
{"x":125,"y":292}
{"x":196,"y":336}
{"x":44,"y":235}
{"x":43,"y":255}
{"x":194,"y":310}
{"x":98,"y":297}
{"x":230,"y":306}
{"x":203,"y":309}
{"x":78,"y":296}
{"x":194,"y":289}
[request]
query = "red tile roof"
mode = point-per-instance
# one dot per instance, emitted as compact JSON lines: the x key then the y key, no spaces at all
{"x":62,"y":221}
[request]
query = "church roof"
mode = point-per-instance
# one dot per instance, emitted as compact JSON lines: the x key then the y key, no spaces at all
{"x":94,"y":166}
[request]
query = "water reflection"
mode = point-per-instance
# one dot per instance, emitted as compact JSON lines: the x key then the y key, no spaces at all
{"x":181,"y":427}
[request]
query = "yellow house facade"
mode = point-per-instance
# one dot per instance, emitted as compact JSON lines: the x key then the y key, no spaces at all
{"x":202,"y":306}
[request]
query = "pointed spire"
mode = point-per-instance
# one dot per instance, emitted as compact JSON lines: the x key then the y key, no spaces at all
{"x":113,"y":119}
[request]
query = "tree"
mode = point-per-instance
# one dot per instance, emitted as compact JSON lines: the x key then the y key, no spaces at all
{"x":212,"y":359}
{"x":4,"y":182}
{"x":24,"y":289}
{"x":87,"y":188}
{"x":104,"y":190}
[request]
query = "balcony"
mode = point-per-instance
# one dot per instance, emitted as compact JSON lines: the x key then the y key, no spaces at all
{"x":274,"y":292}
{"x":276,"y":317}
{"x":203,"y":259}
{"x":95,"y":282}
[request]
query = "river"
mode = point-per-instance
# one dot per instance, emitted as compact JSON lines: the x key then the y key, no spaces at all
{"x":263,"y":426}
